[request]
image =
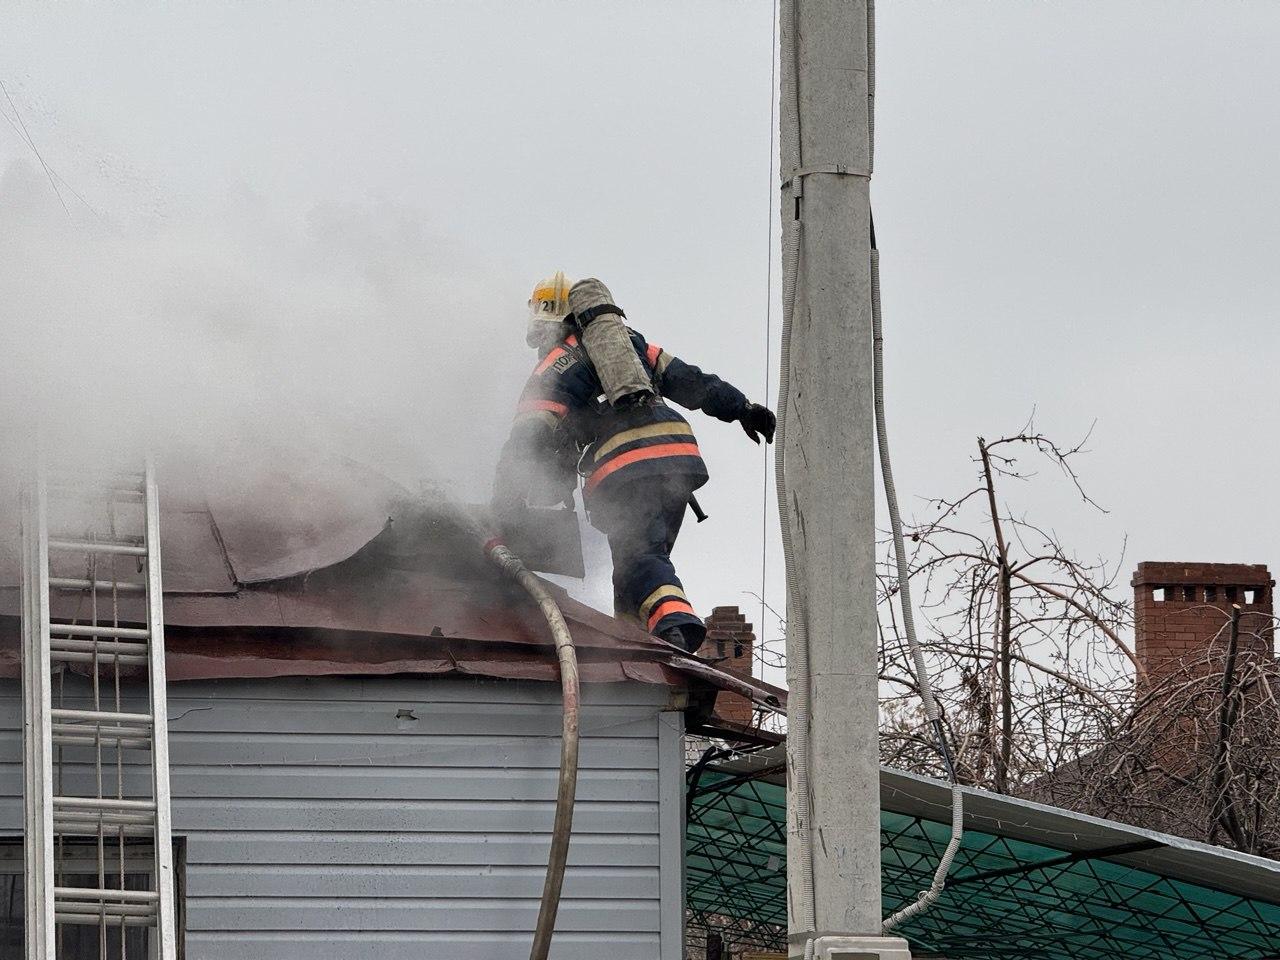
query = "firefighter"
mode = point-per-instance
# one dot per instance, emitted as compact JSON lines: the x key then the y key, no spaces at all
{"x":638,"y":456}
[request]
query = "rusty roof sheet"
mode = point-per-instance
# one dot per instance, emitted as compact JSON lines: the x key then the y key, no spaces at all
{"x":415,"y":596}
{"x":254,"y":524}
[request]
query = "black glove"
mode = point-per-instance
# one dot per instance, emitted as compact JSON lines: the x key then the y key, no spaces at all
{"x":758,"y":421}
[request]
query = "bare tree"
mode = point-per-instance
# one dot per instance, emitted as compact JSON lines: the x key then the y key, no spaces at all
{"x":1197,"y":755}
{"x":1041,"y":692}
{"x":1024,"y":639}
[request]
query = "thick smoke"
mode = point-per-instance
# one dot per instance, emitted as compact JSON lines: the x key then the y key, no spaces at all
{"x":235,"y":331}
{"x":250,"y":352}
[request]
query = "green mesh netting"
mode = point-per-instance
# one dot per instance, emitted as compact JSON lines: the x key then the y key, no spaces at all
{"x":1006,"y":898}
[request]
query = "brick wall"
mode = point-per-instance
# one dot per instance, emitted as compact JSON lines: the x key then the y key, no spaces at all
{"x":1180,"y":610}
{"x":731,"y":641}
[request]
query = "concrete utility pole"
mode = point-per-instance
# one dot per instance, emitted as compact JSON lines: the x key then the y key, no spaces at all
{"x":833,"y":828}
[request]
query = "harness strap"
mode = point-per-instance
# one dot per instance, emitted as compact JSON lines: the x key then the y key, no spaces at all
{"x":585,"y":317}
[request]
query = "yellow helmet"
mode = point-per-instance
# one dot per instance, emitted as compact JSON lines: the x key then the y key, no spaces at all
{"x":550,"y":298}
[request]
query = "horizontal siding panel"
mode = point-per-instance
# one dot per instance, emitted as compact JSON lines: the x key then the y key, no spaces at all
{"x":420,"y":945}
{"x":431,"y":719}
{"x":364,"y":690}
{"x":426,"y":816}
{"x":242,"y":715}
{"x":321,"y":826}
{"x":462,"y":753}
{"x":463,"y":914}
{"x":273,"y":819}
{"x":464,"y":849}
{"x":513,"y":750}
{"x":417,"y":881}
{"x":373,"y":783}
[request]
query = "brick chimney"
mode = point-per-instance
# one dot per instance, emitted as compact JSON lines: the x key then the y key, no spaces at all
{"x":731,"y":642}
{"x":1180,"y":609}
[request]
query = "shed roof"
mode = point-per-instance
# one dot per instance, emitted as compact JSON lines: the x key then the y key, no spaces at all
{"x":1031,"y":882}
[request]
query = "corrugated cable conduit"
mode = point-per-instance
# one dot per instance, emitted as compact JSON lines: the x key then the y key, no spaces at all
{"x":927,"y":897}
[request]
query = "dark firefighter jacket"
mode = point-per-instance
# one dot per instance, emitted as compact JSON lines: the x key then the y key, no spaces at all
{"x":561,"y":415}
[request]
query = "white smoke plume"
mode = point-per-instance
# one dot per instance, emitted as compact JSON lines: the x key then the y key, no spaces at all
{"x":353,"y":330}
{"x":248,"y":351}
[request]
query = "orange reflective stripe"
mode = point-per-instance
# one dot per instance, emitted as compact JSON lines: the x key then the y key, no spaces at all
{"x":674,"y":605}
{"x":548,"y":360}
{"x":528,"y":406}
{"x":653,"y":353}
{"x":554,"y":355}
{"x":685,"y":449}
{"x":667,"y":591}
{"x":541,"y":416}
{"x":667,"y":428}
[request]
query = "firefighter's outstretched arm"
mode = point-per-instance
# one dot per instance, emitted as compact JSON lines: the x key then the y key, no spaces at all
{"x":690,"y":387}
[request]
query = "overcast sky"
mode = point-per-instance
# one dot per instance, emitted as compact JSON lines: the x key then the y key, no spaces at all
{"x":1077,"y":207}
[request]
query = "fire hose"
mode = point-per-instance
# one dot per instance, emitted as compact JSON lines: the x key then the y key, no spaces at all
{"x":562,"y":828}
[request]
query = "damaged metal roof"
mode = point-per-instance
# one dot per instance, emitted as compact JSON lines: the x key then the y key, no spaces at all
{"x":256,"y":525}
{"x":369,"y":581}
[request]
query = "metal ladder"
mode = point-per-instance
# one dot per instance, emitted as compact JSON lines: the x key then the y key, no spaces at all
{"x":96,"y":774}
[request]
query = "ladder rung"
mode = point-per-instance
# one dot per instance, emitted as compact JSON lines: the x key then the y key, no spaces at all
{"x":91,"y":821}
{"x":110,"y":909}
{"x":100,"y":716}
{"x":88,"y":827}
{"x":79,"y":583}
{"x":81,"y":476}
{"x":87,"y":730}
{"x":93,"y":920}
{"x":108,"y":647}
{"x":100,"y":546}
{"x":108,"y":893}
{"x":68,"y":490}
{"x":83,"y":740}
{"x":82,"y":730}
{"x":92,"y":630}
{"x":133,"y":825}
{"x":89,"y":472}
{"x":82,"y":733}
{"x":62,"y":804}
{"x":104,"y":661}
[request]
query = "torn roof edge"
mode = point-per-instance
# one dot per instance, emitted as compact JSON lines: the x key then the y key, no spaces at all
{"x":229,"y":652}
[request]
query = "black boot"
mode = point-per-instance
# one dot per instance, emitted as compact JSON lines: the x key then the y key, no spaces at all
{"x":673,"y":636}
{"x":688,"y":637}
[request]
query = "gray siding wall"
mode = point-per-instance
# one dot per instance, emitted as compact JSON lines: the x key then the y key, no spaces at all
{"x":319,"y":824}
